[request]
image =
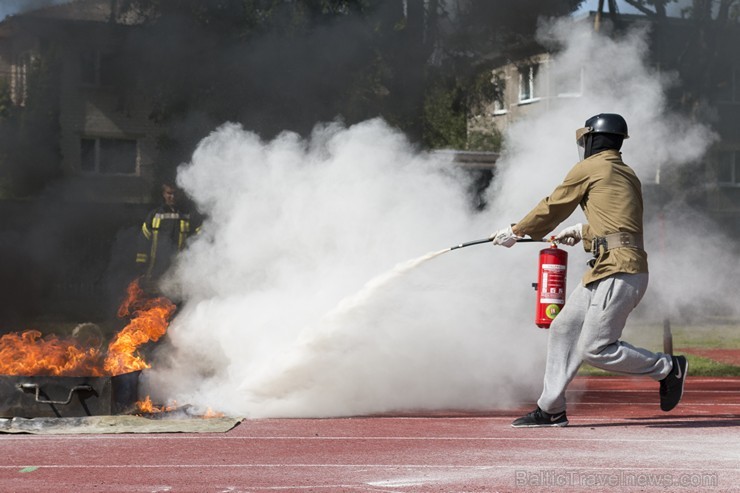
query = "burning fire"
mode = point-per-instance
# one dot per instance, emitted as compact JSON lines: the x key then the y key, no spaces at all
{"x":210,"y":413}
{"x":150,"y":320}
{"x":147,"y":406}
{"x":30,"y":353}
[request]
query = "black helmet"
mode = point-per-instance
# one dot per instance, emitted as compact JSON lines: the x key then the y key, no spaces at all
{"x":603,"y":131}
{"x":608,"y":123}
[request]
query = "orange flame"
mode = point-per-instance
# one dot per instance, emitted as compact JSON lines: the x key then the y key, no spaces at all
{"x":146,"y":406}
{"x":150,"y":321}
{"x":29,"y":353}
{"x":210,"y":413}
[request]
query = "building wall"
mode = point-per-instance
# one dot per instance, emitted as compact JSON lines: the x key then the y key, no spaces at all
{"x":94,"y":113}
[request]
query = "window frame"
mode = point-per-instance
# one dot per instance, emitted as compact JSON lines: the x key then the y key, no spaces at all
{"x":94,"y":59}
{"x":577,"y":94}
{"x":100,"y":64}
{"x":19,"y":71}
{"x":734,"y":164}
{"x":499,"y":106}
{"x":97,"y":168}
{"x":734,"y":97}
{"x":532,"y":72}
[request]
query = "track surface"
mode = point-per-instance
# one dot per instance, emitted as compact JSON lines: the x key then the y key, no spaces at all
{"x":618,"y":440}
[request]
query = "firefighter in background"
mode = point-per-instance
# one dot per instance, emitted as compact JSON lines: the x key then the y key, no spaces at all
{"x":590,"y":325}
{"x":163,"y":235}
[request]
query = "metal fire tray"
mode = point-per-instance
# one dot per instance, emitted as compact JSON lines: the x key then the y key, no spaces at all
{"x":48,"y":396}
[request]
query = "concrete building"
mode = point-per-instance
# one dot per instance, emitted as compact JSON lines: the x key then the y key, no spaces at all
{"x":106,"y":138}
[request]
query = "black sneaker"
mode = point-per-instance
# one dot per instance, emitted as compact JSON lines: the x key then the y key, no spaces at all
{"x":671,"y":387}
{"x":539,"y":418}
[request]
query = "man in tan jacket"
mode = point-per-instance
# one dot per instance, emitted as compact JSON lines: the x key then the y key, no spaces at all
{"x":591,"y":323}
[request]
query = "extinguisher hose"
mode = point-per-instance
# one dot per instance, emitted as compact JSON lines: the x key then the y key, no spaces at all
{"x":488,"y":240}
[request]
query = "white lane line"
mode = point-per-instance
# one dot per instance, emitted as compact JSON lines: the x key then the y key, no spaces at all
{"x":580,"y":380}
{"x":704,"y":439}
{"x":482,"y":467}
{"x":648,"y":391}
{"x":703,"y":404}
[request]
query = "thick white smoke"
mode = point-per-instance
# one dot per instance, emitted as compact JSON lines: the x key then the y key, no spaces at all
{"x":298,"y":226}
{"x":612,"y":77}
{"x":276,"y":321}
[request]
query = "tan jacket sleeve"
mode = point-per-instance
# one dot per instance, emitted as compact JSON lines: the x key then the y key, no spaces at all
{"x":554,"y":209}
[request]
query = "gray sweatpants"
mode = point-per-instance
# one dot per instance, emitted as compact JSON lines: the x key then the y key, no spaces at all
{"x":588,"y":329}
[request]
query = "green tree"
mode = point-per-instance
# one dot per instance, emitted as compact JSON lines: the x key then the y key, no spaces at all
{"x":473,"y":37}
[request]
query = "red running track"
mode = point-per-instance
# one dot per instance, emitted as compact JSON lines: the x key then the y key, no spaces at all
{"x":618,"y":440}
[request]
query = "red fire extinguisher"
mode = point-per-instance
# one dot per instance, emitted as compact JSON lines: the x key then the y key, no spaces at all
{"x":550,"y":287}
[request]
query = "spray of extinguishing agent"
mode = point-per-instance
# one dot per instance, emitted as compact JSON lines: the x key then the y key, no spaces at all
{"x":551,"y":275}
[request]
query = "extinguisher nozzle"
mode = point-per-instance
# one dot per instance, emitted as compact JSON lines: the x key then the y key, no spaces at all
{"x":471,"y":243}
{"x":489,"y":240}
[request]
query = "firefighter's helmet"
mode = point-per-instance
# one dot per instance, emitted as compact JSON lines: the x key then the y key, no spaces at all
{"x":603,"y":123}
{"x":608,"y":123}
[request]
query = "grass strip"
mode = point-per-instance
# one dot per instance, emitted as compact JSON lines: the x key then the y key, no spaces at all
{"x":698,"y":367}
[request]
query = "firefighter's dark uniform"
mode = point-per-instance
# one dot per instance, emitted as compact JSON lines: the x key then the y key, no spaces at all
{"x":163,"y":235}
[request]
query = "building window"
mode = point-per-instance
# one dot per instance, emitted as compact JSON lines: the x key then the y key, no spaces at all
{"x":499,"y":94}
{"x":728,"y":170}
{"x":727,"y":85}
{"x":99,"y":68}
{"x":570,"y":86}
{"x":19,"y":78}
{"x":108,"y":156}
{"x":499,"y":106}
{"x":527,"y":83}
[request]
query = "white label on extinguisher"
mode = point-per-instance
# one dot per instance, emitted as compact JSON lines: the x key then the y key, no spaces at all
{"x":552,"y":285}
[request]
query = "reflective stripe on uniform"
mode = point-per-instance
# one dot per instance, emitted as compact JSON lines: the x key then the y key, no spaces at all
{"x":155,"y":238}
{"x":171,"y":215}
{"x":141,"y":258}
{"x":184,"y":230}
{"x":145,"y":231}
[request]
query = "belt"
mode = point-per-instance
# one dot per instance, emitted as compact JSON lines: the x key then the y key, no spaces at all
{"x":622,"y":239}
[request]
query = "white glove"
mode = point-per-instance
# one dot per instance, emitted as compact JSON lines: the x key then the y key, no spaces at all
{"x":570,"y":236}
{"x":504,"y":237}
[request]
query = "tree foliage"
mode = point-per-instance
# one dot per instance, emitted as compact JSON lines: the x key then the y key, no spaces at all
{"x":474,"y":37}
